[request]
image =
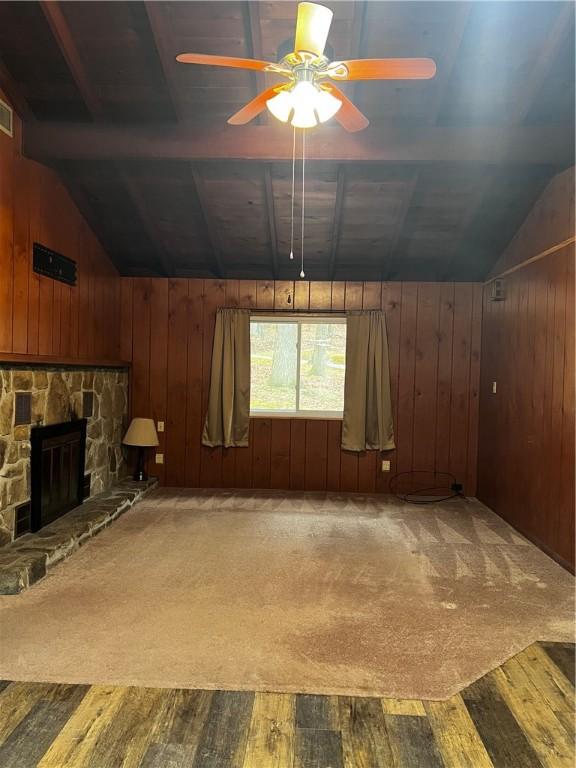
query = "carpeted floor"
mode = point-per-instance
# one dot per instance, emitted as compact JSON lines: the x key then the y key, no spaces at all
{"x":289,"y":592}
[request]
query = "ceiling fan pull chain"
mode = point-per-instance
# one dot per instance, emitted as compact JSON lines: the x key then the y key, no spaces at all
{"x":292,"y":216}
{"x":303,"y":195}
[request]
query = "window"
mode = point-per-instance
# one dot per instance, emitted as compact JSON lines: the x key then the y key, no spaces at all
{"x":297,"y":366}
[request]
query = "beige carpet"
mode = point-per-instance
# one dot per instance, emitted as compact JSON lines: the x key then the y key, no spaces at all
{"x":311,"y":593}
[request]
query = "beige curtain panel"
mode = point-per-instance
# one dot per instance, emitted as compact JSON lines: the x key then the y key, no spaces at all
{"x":228,"y":418}
{"x":367,"y":423}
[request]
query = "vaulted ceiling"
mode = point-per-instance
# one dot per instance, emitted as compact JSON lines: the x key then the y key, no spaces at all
{"x":434,"y":189}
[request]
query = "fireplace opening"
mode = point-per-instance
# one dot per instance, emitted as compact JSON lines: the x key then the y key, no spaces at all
{"x":57,"y":461}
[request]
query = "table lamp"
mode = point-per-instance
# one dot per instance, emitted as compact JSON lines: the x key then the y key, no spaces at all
{"x":141,"y":434}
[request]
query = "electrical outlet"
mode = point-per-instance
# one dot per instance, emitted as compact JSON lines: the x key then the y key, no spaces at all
{"x":385,"y":466}
{"x":159,"y":458}
{"x":493,"y":387}
{"x":160,"y":426}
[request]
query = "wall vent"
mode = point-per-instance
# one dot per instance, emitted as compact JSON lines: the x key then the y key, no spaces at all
{"x":22,"y":519}
{"x":6,"y":118}
{"x":87,"y":404}
{"x":87,"y":486}
{"x":22,"y":408}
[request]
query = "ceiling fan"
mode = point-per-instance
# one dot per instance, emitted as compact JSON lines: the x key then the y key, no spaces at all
{"x":309,"y":96}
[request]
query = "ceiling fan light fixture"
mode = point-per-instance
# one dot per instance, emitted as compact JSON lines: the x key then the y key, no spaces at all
{"x":304,"y":117}
{"x":281,"y":106}
{"x":304,"y":98}
{"x":326,"y":106}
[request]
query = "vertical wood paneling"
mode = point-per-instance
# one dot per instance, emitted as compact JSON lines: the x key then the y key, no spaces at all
{"x":459,"y":410}
{"x":391,"y":303}
{"x":175,"y":441}
{"x":426,"y":383}
{"x":21,"y":221}
{"x":474,"y":391}
{"x":126,"y":315}
{"x":306,"y":454}
{"x":526,"y":429}
{"x":261,"y":452}
{"x":45,"y":316}
{"x":444,"y":386}
{"x":194,"y":362}
{"x":298,"y":455}
{"x":158,"y":367}
{"x":6,"y":241}
{"x":406,"y":376}
{"x":39,"y":315}
{"x":141,"y":347}
{"x":280,"y":454}
{"x":317,"y":447}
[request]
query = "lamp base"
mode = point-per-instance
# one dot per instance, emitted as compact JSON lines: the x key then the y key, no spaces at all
{"x":140,"y":474}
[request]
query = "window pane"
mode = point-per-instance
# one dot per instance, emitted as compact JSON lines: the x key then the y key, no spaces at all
{"x":322,"y":366}
{"x":273,"y":366}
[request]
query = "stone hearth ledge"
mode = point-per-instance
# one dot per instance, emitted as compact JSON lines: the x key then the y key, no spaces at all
{"x":27,"y":559}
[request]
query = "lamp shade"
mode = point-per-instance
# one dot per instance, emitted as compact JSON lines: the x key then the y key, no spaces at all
{"x":141,"y":432}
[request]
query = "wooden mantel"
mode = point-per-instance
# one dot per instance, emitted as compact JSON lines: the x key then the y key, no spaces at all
{"x":55,"y":360}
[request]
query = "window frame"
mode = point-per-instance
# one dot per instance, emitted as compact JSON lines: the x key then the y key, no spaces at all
{"x":299,"y":318}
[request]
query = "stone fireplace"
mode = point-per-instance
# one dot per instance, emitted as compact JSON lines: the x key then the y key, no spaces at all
{"x":43,"y":396}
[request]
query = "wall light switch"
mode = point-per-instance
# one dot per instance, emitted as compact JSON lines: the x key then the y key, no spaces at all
{"x":160,"y":426}
{"x":493,"y":387}
{"x":385,"y":466}
{"x":159,"y":458}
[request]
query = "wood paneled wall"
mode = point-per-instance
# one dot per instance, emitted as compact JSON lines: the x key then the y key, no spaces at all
{"x":526,"y":441}
{"x":434,"y":337}
{"x":39,"y":316}
{"x":551,"y":221}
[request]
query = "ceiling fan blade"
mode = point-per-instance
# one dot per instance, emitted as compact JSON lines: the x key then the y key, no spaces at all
{"x":312,"y":27}
{"x":349,"y":116}
{"x":253,"y":108}
{"x":222,"y":61}
{"x":390,"y":69}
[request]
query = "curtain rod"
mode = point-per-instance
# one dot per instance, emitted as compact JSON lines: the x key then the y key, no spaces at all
{"x":303,"y":311}
{"x":291,"y":311}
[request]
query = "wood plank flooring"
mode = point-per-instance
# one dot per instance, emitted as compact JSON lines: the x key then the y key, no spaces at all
{"x":520,"y":715}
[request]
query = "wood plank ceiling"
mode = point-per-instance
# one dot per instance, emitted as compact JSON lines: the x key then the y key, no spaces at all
{"x":433,"y":190}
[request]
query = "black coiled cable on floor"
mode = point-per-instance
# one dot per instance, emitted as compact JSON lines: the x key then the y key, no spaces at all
{"x":454,"y":488}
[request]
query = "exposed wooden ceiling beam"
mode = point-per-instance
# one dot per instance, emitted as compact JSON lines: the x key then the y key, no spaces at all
{"x":405,"y":205}
{"x":146,"y":222}
{"x":14,"y":94}
{"x":253,"y":32}
{"x":271,"y":211}
{"x":160,"y":35}
{"x":82,"y":201}
{"x":356,"y":39}
{"x":211,"y":227}
{"x":562,"y":28}
{"x":447,"y":269}
{"x":450,"y":54}
{"x":336,"y":222}
{"x":61,"y":31}
{"x":384,"y":144}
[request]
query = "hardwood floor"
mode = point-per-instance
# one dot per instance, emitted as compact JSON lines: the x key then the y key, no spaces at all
{"x":519,"y":715}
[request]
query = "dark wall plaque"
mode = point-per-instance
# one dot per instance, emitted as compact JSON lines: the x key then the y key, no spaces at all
{"x":54,"y":265}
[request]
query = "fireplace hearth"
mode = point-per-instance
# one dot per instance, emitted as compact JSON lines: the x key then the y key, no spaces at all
{"x":57,"y":463}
